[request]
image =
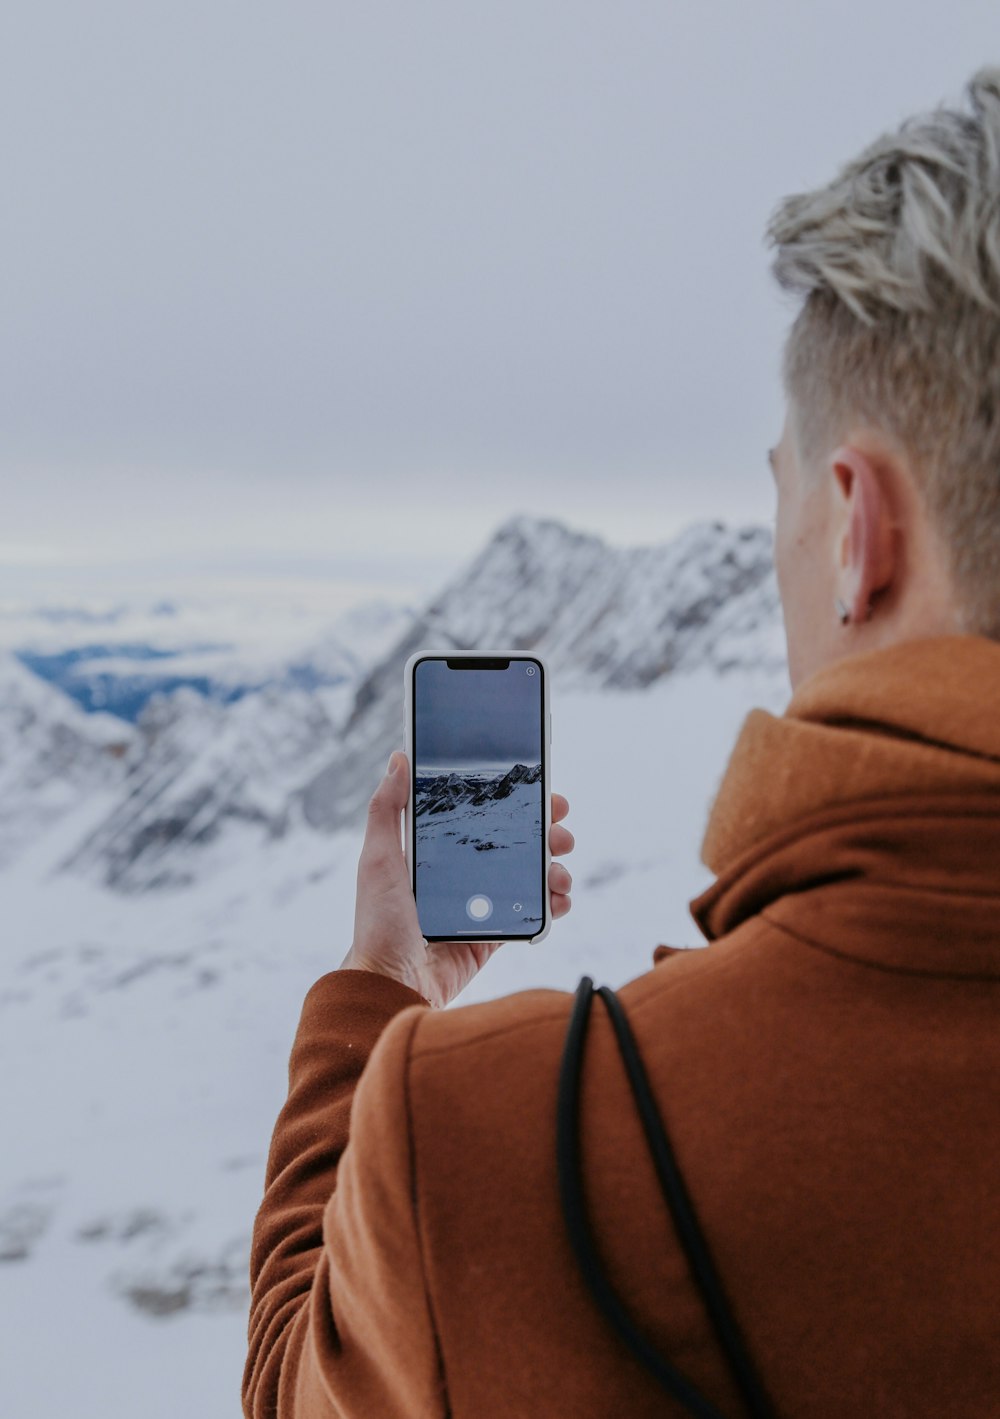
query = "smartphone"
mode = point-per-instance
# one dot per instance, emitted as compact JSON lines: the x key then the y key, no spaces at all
{"x":479,"y":811}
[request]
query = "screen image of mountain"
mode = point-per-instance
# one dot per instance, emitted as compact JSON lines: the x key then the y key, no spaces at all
{"x":479,"y":833}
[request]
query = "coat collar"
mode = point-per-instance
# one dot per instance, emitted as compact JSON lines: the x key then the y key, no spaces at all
{"x":866,"y":818}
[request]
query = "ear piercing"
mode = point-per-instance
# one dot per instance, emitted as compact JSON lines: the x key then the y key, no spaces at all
{"x":845,"y":615}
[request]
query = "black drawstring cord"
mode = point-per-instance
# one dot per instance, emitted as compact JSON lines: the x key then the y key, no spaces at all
{"x":674,"y":1190}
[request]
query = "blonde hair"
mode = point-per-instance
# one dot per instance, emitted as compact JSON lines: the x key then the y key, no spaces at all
{"x":899,"y":261}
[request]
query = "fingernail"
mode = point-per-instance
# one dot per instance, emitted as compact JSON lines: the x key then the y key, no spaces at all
{"x":390,"y":767}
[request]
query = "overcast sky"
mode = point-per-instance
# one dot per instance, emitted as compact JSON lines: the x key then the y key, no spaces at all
{"x":330,"y":288}
{"x":476,"y":719}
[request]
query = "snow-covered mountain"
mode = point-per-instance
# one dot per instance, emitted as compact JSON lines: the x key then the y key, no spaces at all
{"x":196,"y":771}
{"x":604,"y":616}
{"x":439,"y":793}
{"x":197,"y":764}
{"x":199,"y":771}
{"x":53,"y":756}
{"x":618,"y":616}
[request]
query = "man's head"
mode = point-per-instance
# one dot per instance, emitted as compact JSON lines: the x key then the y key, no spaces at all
{"x":888,"y":466}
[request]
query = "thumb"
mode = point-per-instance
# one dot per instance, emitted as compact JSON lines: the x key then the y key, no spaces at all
{"x":387,"y":802}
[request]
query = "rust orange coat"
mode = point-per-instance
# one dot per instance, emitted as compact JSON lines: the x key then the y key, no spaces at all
{"x":829,"y":1066}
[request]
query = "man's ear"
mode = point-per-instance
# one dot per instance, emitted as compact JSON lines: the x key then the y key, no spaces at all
{"x":865,"y":551}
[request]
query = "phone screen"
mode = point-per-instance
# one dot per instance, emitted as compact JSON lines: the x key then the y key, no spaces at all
{"x":478,"y":818}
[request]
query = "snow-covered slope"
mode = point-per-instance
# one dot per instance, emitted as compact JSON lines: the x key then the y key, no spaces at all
{"x":53,"y":757}
{"x":195,"y":769}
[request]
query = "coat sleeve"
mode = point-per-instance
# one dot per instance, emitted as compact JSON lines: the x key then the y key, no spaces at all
{"x":340,"y":1323}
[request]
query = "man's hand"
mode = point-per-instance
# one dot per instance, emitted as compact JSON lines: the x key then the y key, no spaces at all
{"x":387,"y":937}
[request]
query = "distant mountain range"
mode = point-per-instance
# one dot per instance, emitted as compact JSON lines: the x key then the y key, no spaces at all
{"x":275,"y":750}
{"x":440,"y":793}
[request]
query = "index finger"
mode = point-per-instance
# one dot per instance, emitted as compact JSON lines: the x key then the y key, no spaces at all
{"x":560,"y":807}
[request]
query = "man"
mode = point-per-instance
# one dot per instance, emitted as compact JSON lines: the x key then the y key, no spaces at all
{"x":829,"y":1066}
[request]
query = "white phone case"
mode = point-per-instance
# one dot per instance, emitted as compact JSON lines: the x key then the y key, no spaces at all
{"x":451,"y":654}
